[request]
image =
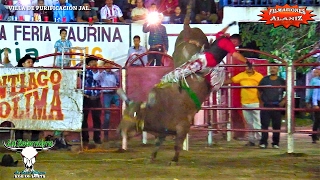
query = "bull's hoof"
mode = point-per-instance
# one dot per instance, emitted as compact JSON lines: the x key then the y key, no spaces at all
{"x":120,"y":150}
{"x":172,"y":163}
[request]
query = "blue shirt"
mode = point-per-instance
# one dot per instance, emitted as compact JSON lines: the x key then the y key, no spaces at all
{"x":106,"y":79}
{"x":158,"y":35}
{"x":59,"y":14}
{"x":138,"y":51}
{"x":310,"y":91}
{"x":90,"y":83}
{"x":316,"y":93}
{"x":59,"y":44}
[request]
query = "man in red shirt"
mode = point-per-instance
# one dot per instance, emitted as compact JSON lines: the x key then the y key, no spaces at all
{"x":223,"y":45}
{"x":211,"y":56}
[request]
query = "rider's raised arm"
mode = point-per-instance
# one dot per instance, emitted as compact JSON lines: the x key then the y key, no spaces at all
{"x":224,"y":30}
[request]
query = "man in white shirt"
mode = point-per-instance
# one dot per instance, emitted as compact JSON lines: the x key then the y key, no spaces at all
{"x":22,"y":13}
{"x":110,"y":13}
{"x":137,"y":49}
{"x":139,"y":13}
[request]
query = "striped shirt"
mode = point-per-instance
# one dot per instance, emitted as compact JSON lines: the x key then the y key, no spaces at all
{"x":158,"y":35}
{"x":110,"y":13}
{"x":90,"y":83}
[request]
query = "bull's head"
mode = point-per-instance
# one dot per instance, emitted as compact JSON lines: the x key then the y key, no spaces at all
{"x":28,"y":155}
{"x":133,"y":116}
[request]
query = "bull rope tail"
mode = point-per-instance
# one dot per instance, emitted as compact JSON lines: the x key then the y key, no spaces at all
{"x":192,"y":95}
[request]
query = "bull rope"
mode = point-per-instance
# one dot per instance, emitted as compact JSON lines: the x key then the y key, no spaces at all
{"x":179,"y":75}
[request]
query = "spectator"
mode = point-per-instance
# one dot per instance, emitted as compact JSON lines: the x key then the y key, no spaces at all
{"x":271,"y":97}
{"x":107,"y":78}
{"x":22,"y":13}
{"x":63,"y":15}
{"x":61,"y":44}
{"x":153,"y":8}
{"x":4,"y":12}
{"x":315,"y":103}
{"x":91,"y":100}
{"x":309,"y":92}
{"x":158,"y":38}
{"x":124,"y":6}
{"x":177,"y":18}
{"x":44,"y":13}
{"x":139,"y":13}
{"x":249,"y":99}
{"x":183,"y":5}
{"x":203,"y":12}
{"x":110,"y":13}
{"x":137,"y":49}
{"x":83,"y":16}
{"x":167,"y":7}
{"x":77,"y":3}
{"x":148,"y":3}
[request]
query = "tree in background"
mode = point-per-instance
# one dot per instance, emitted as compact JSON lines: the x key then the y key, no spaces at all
{"x":289,"y":44}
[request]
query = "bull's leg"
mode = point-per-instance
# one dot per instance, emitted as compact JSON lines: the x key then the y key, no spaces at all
{"x":124,"y":140}
{"x":159,"y":142}
{"x":182,"y":132}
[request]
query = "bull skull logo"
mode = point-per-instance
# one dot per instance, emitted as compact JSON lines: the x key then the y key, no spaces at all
{"x":28,"y":155}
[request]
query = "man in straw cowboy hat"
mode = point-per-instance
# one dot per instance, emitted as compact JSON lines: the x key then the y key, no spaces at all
{"x":107,"y":78}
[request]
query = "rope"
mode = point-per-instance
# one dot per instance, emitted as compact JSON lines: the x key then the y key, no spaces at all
{"x":192,"y":95}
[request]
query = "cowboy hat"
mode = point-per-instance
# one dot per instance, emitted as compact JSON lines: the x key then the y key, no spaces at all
{"x":7,"y":161}
{"x":24,"y":59}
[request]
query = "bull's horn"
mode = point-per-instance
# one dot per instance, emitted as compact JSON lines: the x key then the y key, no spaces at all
{"x":123,"y":95}
{"x":11,"y":148}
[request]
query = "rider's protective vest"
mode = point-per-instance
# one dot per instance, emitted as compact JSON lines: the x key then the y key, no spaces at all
{"x":217,"y":52}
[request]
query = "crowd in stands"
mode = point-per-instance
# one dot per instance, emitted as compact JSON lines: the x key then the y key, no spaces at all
{"x":111,"y":11}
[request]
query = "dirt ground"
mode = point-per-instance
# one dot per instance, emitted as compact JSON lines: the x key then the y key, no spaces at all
{"x":223,"y":161}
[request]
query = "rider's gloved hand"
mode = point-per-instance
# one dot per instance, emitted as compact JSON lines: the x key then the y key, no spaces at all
{"x":233,"y":23}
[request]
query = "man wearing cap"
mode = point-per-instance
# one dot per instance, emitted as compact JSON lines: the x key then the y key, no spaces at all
{"x":91,"y":100}
{"x":109,"y":79}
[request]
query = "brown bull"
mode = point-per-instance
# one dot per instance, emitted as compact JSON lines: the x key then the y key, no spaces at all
{"x":169,"y":110}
